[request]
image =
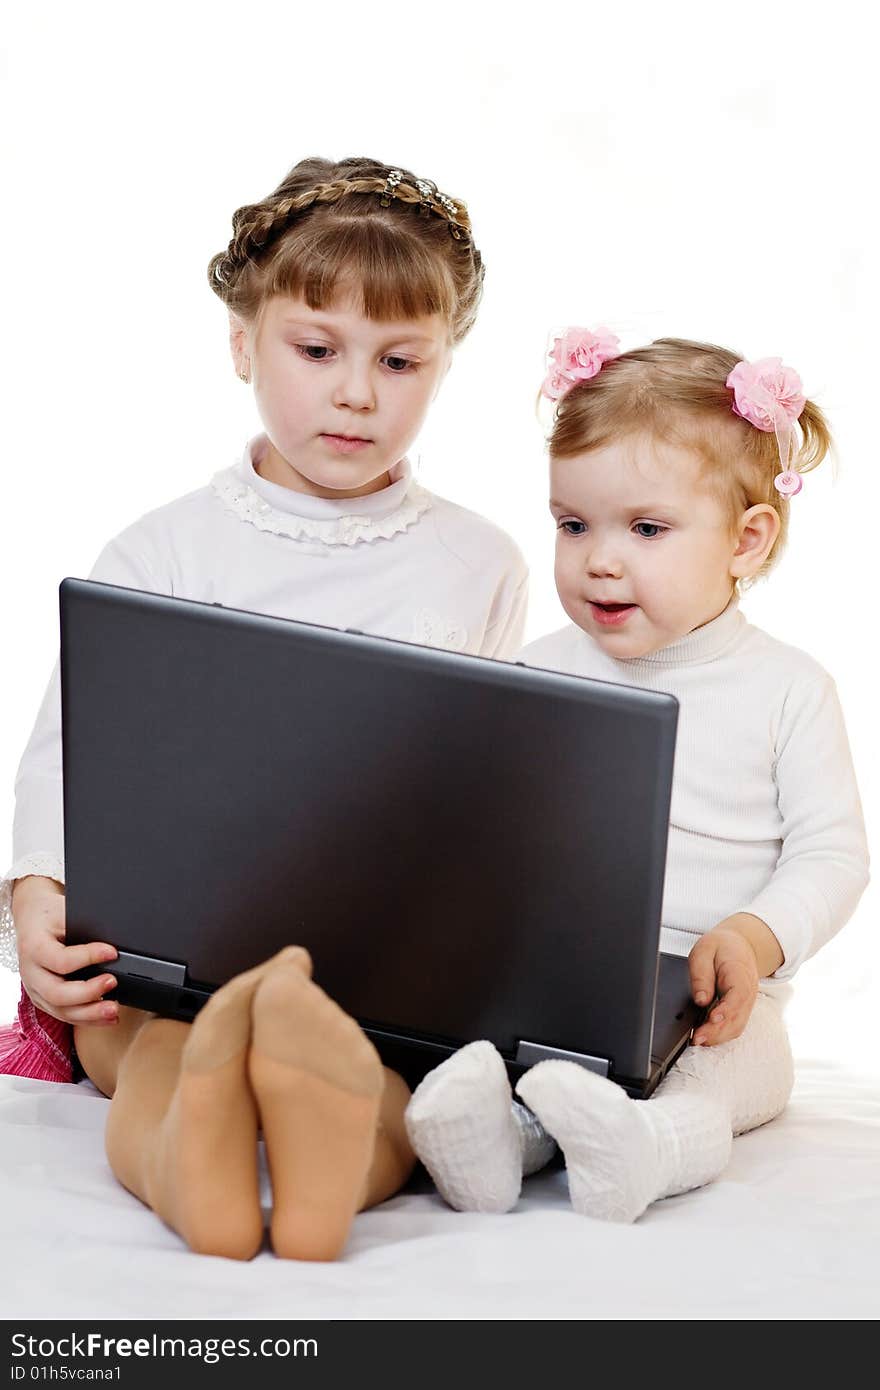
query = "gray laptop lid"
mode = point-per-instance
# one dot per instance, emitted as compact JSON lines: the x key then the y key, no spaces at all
{"x":468,"y":848}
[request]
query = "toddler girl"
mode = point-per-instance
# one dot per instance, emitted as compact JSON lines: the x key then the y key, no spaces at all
{"x":347,"y":290}
{"x":672,"y":472}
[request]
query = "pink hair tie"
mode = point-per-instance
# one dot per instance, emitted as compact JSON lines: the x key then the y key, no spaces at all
{"x":771,"y":397}
{"x":576,"y":355}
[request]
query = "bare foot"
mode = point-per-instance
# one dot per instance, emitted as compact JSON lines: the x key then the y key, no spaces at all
{"x":202,"y":1174}
{"x":318,"y":1082}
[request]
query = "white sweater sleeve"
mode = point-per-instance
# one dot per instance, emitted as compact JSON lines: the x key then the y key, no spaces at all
{"x":38,"y":823}
{"x":822,"y":869}
{"x":503,"y":637}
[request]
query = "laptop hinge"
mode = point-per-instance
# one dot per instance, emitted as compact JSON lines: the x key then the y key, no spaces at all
{"x":528,"y":1053}
{"x":166,"y":972}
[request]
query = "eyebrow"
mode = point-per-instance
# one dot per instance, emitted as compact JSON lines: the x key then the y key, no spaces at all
{"x":327,"y":327}
{"x":644,"y":509}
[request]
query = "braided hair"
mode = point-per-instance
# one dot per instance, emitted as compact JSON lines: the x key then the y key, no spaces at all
{"x":355,"y":225}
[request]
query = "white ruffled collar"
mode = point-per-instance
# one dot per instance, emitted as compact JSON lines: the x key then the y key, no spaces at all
{"x":284,"y":512}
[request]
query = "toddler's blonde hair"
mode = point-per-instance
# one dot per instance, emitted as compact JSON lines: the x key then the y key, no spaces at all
{"x":673,"y":390}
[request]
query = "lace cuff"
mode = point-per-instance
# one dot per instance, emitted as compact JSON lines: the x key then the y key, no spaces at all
{"x":47,"y":866}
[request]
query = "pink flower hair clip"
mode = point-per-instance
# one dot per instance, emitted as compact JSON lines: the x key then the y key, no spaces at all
{"x":576,"y":354}
{"x":771,"y":397}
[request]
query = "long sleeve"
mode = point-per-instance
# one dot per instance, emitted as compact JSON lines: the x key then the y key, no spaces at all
{"x":765,"y":816}
{"x":822,"y":869}
{"x":503,"y":638}
{"x":38,"y":822}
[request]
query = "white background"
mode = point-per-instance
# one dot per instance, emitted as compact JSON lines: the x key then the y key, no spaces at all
{"x":678,"y":169}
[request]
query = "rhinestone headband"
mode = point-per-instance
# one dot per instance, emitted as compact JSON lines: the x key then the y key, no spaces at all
{"x":431,"y":199}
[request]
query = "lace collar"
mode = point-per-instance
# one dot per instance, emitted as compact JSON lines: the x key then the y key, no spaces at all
{"x":284,"y":512}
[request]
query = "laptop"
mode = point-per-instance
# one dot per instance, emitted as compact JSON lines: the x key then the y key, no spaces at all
{"x":468,"y":848}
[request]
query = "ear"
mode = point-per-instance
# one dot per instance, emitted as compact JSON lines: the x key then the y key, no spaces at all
{"x":755,"y":537}
{"x":239,"y":344}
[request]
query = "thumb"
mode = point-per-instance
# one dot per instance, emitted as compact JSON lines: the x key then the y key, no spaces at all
{"x":701,"y":964}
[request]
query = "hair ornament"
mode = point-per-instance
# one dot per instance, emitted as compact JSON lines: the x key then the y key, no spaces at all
{"x":451,"y":210}
{"x":429,"y":196}
{"x":576,"y":354}
{"x":788,"y":483}
{"x":448,"y":206}
{"x":771,"y":397}
{"x":394,"y":178}
{"x":430,"y":200}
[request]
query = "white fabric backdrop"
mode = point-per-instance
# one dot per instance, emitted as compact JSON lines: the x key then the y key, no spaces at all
{"x":790,"y":1230}
{"x":674,"y":170}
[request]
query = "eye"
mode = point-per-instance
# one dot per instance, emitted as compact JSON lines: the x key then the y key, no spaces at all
{"x":649,"y":529}
{"x":572,"y":528}
{"x":312,"y":352}
{"x":399,"y":365}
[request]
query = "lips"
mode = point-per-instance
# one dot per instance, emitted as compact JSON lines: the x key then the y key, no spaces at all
{"x":346,"y":443}
{"x":611,"y":614}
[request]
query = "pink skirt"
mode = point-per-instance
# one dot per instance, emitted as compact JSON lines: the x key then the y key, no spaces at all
{"x":36,"y":1045}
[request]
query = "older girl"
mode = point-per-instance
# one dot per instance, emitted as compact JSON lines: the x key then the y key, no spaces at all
{"x":347,"y":290}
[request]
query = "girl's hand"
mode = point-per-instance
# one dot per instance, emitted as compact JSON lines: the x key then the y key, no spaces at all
{"x":727,"y":963}
{"x":38,"y":913}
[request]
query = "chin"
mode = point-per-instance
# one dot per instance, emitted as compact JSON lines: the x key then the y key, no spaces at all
{"x":342,"y":480}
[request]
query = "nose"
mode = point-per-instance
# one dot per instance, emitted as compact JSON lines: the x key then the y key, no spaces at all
{"x":603,"y":560}
{"x":354,"y":388}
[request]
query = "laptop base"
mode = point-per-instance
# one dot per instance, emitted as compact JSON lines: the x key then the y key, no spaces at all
{"x":161,"y":987}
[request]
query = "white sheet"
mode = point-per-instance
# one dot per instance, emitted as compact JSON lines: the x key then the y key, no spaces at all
{"x":791,"y":1230}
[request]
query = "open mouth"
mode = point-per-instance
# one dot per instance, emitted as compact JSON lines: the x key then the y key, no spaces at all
{"x":609,"y":614}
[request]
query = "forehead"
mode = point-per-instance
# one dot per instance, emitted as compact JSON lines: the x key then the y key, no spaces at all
{"x":345,"y":316}
{"x":634,"y":470}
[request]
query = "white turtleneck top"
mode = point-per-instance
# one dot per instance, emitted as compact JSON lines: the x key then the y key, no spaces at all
{"x":765,"y":815}
{"x":400,"y":562}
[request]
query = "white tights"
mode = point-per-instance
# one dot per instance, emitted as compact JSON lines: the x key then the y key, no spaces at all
{"x":620,"y":1154}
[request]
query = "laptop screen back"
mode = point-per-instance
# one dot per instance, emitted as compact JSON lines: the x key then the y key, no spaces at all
{"x":468,"y":848}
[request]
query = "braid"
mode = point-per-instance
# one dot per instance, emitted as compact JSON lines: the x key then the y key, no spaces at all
{"x":257,"y":225}
{"x":243,"y":273}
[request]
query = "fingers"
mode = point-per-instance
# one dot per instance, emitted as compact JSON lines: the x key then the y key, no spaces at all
{"x":701,"y":963}
{"x":73,"y":1001}
{"x":711,"y":1033}
{"x":737,"y":988}
{"x":64,"y":960}
{"x":104,"y":1015}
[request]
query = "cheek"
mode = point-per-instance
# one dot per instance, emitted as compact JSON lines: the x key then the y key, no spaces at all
{"x":408,"y":407}
{"x":414,"y":400}
{"x":275,"y":376}
{"x":566,"y":568}
{"x":292,"y":380}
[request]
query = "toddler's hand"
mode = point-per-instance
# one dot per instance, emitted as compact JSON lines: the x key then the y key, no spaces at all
{"x":38,"y":913}
{"x":723,"y":963}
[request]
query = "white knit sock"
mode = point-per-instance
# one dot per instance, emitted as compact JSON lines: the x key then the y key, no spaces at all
{"x":619,"y":1158}
{"x":622,"y":1154}
{"x":474,"y":1140}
